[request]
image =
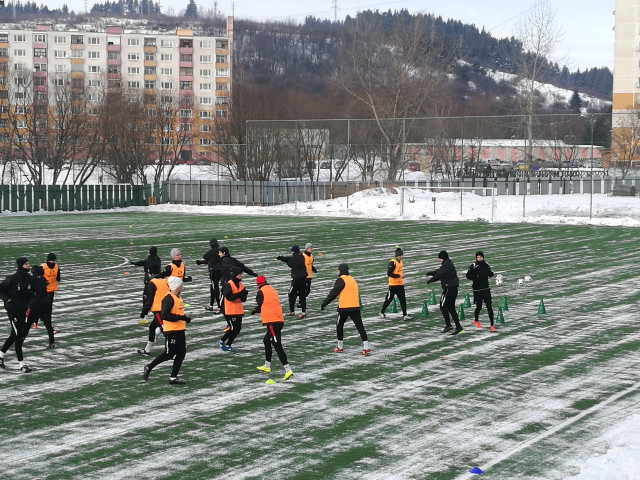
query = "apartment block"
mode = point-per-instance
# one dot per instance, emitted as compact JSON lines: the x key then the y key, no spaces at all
{"x":190,"y":70}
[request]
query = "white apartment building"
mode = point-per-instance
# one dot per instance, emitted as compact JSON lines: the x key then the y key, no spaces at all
{"x":157,"y":65}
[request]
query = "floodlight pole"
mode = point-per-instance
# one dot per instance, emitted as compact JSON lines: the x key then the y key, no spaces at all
{"x":591,"y":197}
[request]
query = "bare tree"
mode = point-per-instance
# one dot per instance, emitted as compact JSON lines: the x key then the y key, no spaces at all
{"x":625,"y":141}
{"x":397,"y":71}
{"x":539,"y":33}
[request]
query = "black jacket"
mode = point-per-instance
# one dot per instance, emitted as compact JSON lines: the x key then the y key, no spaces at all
{"x":152,"y":265}
{"x":39,"y":297}
{"x":227,"y":263}
{"x":479,"y":273}
{"x":211,"y":258}
{"x":446,"y":274}
{"x":296,"y":264}
{"x":15,"y":291}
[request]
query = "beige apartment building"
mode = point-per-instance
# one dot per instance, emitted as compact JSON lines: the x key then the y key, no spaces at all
{"x":625,"y":134}
{"x":190,"y":70}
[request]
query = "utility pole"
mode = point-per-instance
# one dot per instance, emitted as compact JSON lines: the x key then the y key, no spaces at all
{"x":334,"y":7}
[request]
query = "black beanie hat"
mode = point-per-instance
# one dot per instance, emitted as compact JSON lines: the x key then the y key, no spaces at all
{"x":51,"y":256}
{"x":235,"y":271}
{"x":21,"y":261}
{"x":295,"y":249}
{"x":443,"y":255}
{"x":399,"y":252}
{"x":213,"y":243}
{"x":480,"y":253}
{"x":343,"y":268}
{"x":153,"y":251}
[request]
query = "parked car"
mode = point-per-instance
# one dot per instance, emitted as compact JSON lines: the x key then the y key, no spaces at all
{"x":326,"y":165}
{"x":414,"y":166}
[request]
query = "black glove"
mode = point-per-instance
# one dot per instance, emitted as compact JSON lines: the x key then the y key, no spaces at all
{"x":187,"y":279}
{"x":132,"y":263}
{"x":255,"y":274}
{"x":199,"y":262}
{"x":280,"y":257}
{"x":313,"y":269}
{"x":142,"y":315}
{"x":254,"y":311}
{"x":430,"y":280}
{"x":187,"y":319}
{"x":472,"y":266}
{"x":323,"y":306}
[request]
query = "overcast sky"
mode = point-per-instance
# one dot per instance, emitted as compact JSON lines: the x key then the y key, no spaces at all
{"x":587,"y":24}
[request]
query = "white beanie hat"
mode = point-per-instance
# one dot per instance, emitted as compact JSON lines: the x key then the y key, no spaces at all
{"x":174,"y":252}
{"x":174,"y":282}
{"x":308,"y":246}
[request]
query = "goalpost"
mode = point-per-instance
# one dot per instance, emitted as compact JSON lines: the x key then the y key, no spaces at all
{"x":480,"y":191}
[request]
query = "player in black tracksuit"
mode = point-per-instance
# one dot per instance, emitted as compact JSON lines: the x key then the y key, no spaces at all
{"x":449,"y":281}
{"x":212,"y":260}
{"x":15,"y":291}
{"x":152,"y":264}
{"x":40,"y":303}
{"x":479,"y":273}
{"x":298,"y":288}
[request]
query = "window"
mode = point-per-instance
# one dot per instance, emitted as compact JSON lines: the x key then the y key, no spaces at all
{"x":166,"y":71}
{"x":149,"y":41}
{"x":205,"y":100}
{"x":205,"y":58}
{"x":133,"y":70}
{"x":40,"y":52}
{"x":20,"y":109}
{"x":18,"y":95}
{"x":4,"y":94}
{"x":60,"y":54}
{"x":222,"y":44}
{"x":59,"y":39}
{"x":4,"y":52}
{"x":205,"y":72}
{"x":77,"y":53}
{"x":94,"y":111}
{"x":150,"y":126}
{"x":221,"y":114}
{"x":222,"y":72}
{"x":18,"y":81}
{"x":149,"y":84}
{"x":76,"y":40}
{"x":39,"y":38}
{"x":205,"y":87}
{"x":40,"y":81}
{"x":149,"y":57}
{"x":133,"y":84}
{"x":186,"y":57}
{"x":151,"y":112}
{"x":222,"y":100}
{"x":20,"y":37}
{"x":186,"y":71}
{"x":148,"y":98}
{"x":112,"y":40}
{"x":95,"y":82}
{"x":93,"y":55}
{"x":167,"y":99}
{"x":58,"y":82}
{"x":221,"y":59}
{"x":19,"y":52}
{"x":166,"y":57}
{"x":61,"y":68}
{"x":167,"y":141}
{"x":185,"y":127}
{"x":166,"y":85}
{"x":94,"y":40}
{"x":205,"y":128}
{"x":133,"y":42}
{"x":4,"y":37}
{"x":166,"y":43}
{"x":133,"y":56}
{"x":18,"y":67}
{"x":186,"y":85}
{"x":113,"y":83}
{"x":149,"y":70}
{"x":94,"y":68}
{"x":205,"y":114}
{"x":41,"y":95}
{"x":186,"y":43}
{"x":113,"y":55}
{"x":113,"y":69}
{"x":206,"y":44}
{"x":205,"y":141}
{"x":221,"y":87}
{"x":186,"y":113}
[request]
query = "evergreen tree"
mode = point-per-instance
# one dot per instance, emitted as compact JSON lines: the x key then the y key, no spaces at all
{"x":192,"y":10}
{"x":575,"y":104}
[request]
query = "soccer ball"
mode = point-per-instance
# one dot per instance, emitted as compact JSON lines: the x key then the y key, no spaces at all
{"x":521,"y":281}
{"x":499,"y":280}
{"x":527,"y":278}
{"x":499,"y":276}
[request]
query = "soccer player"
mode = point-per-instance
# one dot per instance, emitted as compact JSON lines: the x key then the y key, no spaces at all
{"x":39,"y":305}
{"x":154,"y":292}
{"x":152,"y":264}
{"x":297,"y":289}
{"x":212,"y":260}
{"x":449,"y":281}
{"x":52,"y":276}
{"x":176,"y":268}
{"x":174,"y":323}
{"x":479,"y":273}
{"x":234,"y":294}
{"x":15,"y":292}
{"x":311,"y":269}
{"x":396,"y":285}
{"x":346,"y":289}
{"x":271,"y":315}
